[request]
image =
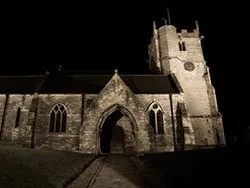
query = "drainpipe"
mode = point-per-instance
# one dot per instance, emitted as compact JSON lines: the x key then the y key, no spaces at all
{"x":82,"y":119}
{"x":172,"y":115}
{"x":82,"y":108}
{"x":4,"y":114}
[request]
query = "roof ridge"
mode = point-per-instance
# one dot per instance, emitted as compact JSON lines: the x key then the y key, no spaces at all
{"x":162,"y":75}
{"x":22,"y":76}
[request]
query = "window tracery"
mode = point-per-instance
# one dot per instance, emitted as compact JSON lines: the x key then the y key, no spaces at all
{"x":58,"y":119}
{"x":156,"y":118}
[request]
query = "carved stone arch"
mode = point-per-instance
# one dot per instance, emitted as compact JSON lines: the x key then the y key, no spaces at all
{"x":152,"y":104}
{"x":122,"y":109}
{"x":65,"y":107}
{"x":107,"y":112}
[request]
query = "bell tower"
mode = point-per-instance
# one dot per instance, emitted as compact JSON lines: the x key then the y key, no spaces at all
{"x":180,"y":53}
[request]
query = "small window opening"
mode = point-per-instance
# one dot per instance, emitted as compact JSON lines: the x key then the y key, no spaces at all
{"x":18,"y":117}
{"x":182,"y":46}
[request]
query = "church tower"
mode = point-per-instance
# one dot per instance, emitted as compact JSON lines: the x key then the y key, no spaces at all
{"x":180,"y":54}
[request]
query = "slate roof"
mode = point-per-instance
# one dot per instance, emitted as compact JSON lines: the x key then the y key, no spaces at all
{"x":60,"y":83}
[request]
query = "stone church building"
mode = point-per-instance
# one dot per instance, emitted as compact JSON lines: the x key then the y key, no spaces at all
{"x":172,"y":109}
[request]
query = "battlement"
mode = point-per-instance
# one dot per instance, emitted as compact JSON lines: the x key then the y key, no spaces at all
{"x":185,"y":34}
{"x":168,"y":42}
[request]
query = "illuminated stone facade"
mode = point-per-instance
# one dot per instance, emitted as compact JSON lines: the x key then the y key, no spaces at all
{"x":173,"y":109}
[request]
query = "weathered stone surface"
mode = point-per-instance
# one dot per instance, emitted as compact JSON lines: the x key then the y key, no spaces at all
{"x":115,"y":96}
{"x":188,"y":118}
{"x":199,"y":94}
{"x":2,"y":105}
{"x":67,"y":140}
{"x":11,"y":133}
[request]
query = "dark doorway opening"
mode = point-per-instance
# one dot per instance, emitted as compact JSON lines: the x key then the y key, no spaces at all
{"x":112,"y":136}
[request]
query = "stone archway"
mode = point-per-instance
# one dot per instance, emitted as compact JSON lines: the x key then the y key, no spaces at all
{"x":117,"y":131}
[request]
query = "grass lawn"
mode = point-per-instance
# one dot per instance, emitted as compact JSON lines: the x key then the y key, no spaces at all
{"x":224,"y":167}
{"x":21,"y":167}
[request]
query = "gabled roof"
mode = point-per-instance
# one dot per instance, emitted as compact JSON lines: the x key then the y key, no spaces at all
{"x":61,"y":83}
{"x":155,"y":84}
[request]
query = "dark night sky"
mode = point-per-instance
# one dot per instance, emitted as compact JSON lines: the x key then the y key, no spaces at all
{"x":99,"y":37}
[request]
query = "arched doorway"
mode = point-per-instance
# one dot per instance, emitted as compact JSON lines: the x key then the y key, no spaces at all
{"x":117,"y":131}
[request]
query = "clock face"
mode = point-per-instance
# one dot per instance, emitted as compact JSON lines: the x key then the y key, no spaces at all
{"x":189,"y":66}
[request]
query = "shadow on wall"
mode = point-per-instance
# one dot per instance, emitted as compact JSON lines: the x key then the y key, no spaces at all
{"x":180,"y":139}
{"x":117,"y":143}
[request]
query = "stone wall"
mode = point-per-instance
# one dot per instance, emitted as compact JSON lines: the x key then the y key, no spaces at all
{"x":154,"y":53}
{"x":128,"y":137}
{"x":86,"y":115}
{"x":194,"y":86}
{"x":68,"y":140}
{"x":173,"y":60}
{"x":160,"y":142}
{"x":199,"y":93}
{"x":193,"y":51}
{"x":203,"y":130}
{"x":139,"y":134}
{"x":169,"y":44}
{"x":218,"y":130}
{"x":2,"y":105}
{"x":200,"y":100}
{"x":11,"y":133}
{"x":115,"y":96}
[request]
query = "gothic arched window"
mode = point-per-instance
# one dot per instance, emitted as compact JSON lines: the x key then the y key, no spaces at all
{"x":18,"y":113}
{"x":156,"y":118}
{"x":58,"y":119}
{"x":152,"y":119}
{"x":160,"y":122}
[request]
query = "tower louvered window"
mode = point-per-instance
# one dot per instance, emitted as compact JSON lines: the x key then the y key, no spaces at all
{"x":58,"y":119}
{"x":182,"y":46}
{"x":156,"y":118}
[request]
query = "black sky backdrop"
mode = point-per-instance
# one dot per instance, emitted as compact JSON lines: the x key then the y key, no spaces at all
{"x":96,"y":37}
